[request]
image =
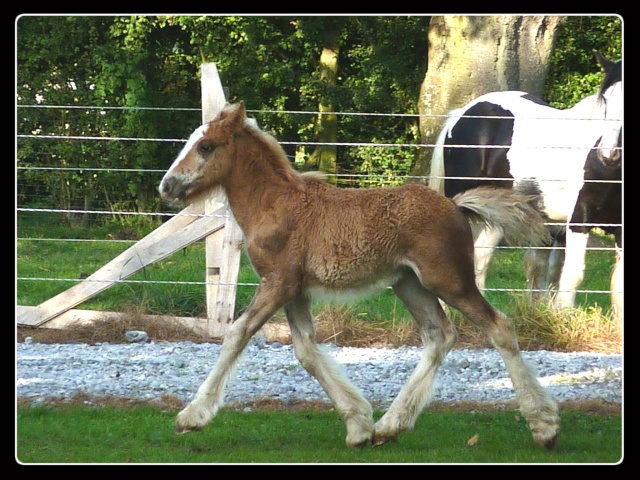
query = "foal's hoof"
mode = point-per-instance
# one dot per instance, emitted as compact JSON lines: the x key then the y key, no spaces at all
{"x":548,"y":443}
{"x":358,"y":445}
{"x":545,"y":433}
{"x":379,"y":440}
{"x":547,"y":437}
{"x":181,"y":430}
{"x":551,"y":444}
{"x":358,"y":441}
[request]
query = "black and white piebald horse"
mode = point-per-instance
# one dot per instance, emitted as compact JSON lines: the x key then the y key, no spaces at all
{"x":570,"y":159}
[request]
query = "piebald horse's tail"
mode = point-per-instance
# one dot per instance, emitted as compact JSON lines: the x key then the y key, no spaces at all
{"x":436,"y":175}
{"x":514,"y":214}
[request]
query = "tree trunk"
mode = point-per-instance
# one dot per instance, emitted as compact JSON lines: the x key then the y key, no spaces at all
{"x":324,"y":157}
{"x":471,"y":56}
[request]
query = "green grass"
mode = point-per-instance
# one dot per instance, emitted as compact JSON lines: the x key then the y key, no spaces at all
{"x":72,"y":434}
{"x":90,"y":434}
{"x":71,"y":260}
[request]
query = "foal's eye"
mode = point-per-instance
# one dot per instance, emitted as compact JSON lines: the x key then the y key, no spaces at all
{"x":205,"y":148}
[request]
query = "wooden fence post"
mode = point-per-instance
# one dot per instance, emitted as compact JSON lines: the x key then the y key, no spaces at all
{"x":223,"y":248}
{"x":217,"y":225}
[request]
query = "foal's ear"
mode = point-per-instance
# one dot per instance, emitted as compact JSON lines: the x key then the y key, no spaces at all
{"x":237,"y":116}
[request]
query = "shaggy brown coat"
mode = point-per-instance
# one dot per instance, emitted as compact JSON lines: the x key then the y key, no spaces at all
{"x":305,"y":237}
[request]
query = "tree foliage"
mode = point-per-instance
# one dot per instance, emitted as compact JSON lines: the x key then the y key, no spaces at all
{"x":575,"y":73}
{"x":141,"y":62}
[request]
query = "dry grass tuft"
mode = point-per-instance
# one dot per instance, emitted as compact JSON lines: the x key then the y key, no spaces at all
{"x":569,"y":330}
{"x":112,"y":330}
{"x":541,"y":327}
{"x":342,"y":326}
{"x":538,"y":327}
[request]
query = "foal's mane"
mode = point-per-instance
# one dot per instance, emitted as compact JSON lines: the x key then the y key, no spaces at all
{"x":272,"y":152}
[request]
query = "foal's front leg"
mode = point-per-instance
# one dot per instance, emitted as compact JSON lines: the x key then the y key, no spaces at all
{"x":355,"y":410}
{"x":209,"y":396}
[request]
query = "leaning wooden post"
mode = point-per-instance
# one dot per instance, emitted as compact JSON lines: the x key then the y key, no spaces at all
{"x":223,"y":248}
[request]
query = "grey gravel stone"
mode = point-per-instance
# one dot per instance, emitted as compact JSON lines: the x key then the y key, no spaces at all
{"x":149,"y":370}
{"x":136,"y":336}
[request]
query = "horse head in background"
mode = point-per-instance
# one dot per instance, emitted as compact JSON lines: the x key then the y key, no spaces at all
{"x":610,"y":99}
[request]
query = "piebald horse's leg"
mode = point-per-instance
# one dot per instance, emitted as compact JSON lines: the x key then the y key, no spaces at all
{"x":543,"y":268}
{"x":536,"y":269}
{"x":209,"y":396}
{"x":485,"y":244}
{"x":556,"y":264}
{"x":617,"y":280}
{"x":355,"y":410}
{"x":438,"y":336}
{"x":573,"y":270}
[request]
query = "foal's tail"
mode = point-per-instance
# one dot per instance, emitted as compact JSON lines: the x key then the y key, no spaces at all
{"x":514,"y":214}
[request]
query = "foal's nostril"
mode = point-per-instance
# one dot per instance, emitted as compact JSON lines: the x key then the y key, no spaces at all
{"x":166,"y":186}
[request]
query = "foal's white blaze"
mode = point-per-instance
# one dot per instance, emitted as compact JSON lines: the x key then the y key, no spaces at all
{"x":199,"y":133}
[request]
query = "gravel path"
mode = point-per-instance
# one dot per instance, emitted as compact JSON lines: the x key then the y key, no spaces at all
{"x":150,"y":370}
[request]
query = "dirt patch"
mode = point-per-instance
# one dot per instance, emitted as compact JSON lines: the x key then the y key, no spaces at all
{"x":173,"y":403}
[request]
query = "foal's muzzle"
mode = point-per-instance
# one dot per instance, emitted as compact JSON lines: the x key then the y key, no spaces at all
{"x":170,"y":189}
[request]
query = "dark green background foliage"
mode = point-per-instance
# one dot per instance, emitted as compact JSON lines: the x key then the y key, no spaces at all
{"x":272,"y":63}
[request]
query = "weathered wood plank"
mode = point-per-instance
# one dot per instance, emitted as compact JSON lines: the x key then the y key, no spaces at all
{"x":224,"y":248}
{"x":172,"y":236}
{"x":271,"y":331}
{"x":229,"y":270}
{"x":211,"y":93}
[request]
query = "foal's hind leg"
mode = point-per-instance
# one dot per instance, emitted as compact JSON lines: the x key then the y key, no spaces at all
{"x":438,"y":336}
{"x":535,"y":404}
{"x":354,"y":409}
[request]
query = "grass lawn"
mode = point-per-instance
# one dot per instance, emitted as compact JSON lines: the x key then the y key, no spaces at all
{"x":84,"y":434}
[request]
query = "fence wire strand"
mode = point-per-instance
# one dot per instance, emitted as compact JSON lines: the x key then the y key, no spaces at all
{"x":41,"y":136}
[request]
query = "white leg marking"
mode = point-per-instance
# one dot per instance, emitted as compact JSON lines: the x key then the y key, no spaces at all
{"x":484,"y":246}
{"x":209,"y":396}
{"x":617,"y":286}
{"x":535,"y":404}
{"x":573,"y":271}
{"x":438,"y":336}
{"x":354,"y":409}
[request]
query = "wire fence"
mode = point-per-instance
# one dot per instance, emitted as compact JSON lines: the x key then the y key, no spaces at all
{"x":96,"y":138}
